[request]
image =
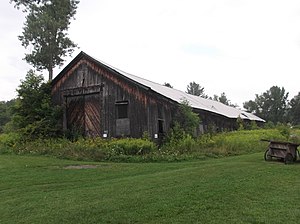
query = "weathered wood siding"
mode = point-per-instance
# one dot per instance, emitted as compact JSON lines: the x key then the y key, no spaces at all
{"x":96,"y":99}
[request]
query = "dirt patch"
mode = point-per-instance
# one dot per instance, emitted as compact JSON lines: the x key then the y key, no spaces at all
{"x":80,"y":167}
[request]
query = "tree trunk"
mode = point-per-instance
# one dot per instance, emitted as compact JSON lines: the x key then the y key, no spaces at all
{"x":50,"y":70}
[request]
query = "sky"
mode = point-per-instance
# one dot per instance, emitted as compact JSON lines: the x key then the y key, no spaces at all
{"x":239,"y":47}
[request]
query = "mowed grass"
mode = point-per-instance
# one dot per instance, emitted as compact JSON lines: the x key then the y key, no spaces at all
{"x":240,"y":189}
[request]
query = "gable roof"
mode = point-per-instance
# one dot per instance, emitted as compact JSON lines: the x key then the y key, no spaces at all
{"x":178,"y":96}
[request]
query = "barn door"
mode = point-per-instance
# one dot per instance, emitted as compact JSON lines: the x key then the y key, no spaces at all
{"x":92,"y":115}
{"x":83,"y":114}
{"x":75,"y":114}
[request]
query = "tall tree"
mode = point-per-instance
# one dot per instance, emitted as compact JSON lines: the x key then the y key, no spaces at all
{"x":195,"y":89}
{"x":45,"y":29}
{"x":294,"y":110}
{"x":271,"y":105}
{"x":223,"y":99}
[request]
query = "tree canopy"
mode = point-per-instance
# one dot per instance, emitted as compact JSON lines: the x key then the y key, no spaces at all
{"x":34,"y":115}
{"x":271,"y":105}
{"x":45,"y":30}
{"x":195,"y":89}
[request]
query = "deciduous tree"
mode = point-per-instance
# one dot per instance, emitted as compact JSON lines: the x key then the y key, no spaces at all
{"x":271,"y":105}
{"x":45,"y":30}
{"x":34,"y":114}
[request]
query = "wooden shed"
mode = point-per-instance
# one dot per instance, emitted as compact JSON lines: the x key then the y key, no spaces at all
{"x":100,"y":100}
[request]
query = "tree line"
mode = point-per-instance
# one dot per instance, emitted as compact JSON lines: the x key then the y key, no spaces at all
{"x":272,"y":105}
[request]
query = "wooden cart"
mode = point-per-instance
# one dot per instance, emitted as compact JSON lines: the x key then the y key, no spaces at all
{"x":285,"y":151}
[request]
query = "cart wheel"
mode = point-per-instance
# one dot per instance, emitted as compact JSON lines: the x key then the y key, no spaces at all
{"x":267,"y":155}
{"x":288,"y":158}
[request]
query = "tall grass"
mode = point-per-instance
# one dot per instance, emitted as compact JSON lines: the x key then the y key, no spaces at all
{"x":83,"y":149}
{"x":143,"y":150}
{"x":239,"y":142}
{"x":229,"y":143}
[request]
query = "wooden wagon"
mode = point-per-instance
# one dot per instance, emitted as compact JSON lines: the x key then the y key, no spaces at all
{"x":285,"y":151}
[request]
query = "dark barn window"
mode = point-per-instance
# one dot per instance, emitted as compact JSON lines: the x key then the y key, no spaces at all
{"x":160,"y":119}
{"x":160,"y":126}
{"x":122,"y":109}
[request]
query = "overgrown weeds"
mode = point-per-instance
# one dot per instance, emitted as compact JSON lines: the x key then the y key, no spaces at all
{"x":96,"y":149}
{"x":178,"y":147}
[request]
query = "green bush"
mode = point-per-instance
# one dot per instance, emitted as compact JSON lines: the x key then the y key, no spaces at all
{"x":295,"y":135}
{"x":178,"y":141}
{"x":132,"y":146}
{"x":9,"y":141}
{"x":186,"y":119}
{"x":284,"y":130}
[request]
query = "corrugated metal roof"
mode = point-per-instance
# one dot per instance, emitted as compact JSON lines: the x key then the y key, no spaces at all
{"x":196,"y":102}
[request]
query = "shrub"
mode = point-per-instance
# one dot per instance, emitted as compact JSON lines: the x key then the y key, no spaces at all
{"x":9,"y":141}
{"x":284,"y":130}
{"x":295,"y":136}
{"x":185,"y":144}
{"x":186,"y":119}
{"x":129,"y":146}
{"x":34,"y":115}
{"x":179,"y":141}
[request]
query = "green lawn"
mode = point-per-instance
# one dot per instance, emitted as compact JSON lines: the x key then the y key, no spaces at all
{"x":241,"y":189}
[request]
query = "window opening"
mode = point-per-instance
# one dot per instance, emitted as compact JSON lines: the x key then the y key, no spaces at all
{"x":160,"y":126}
{"x":122,"y":109}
